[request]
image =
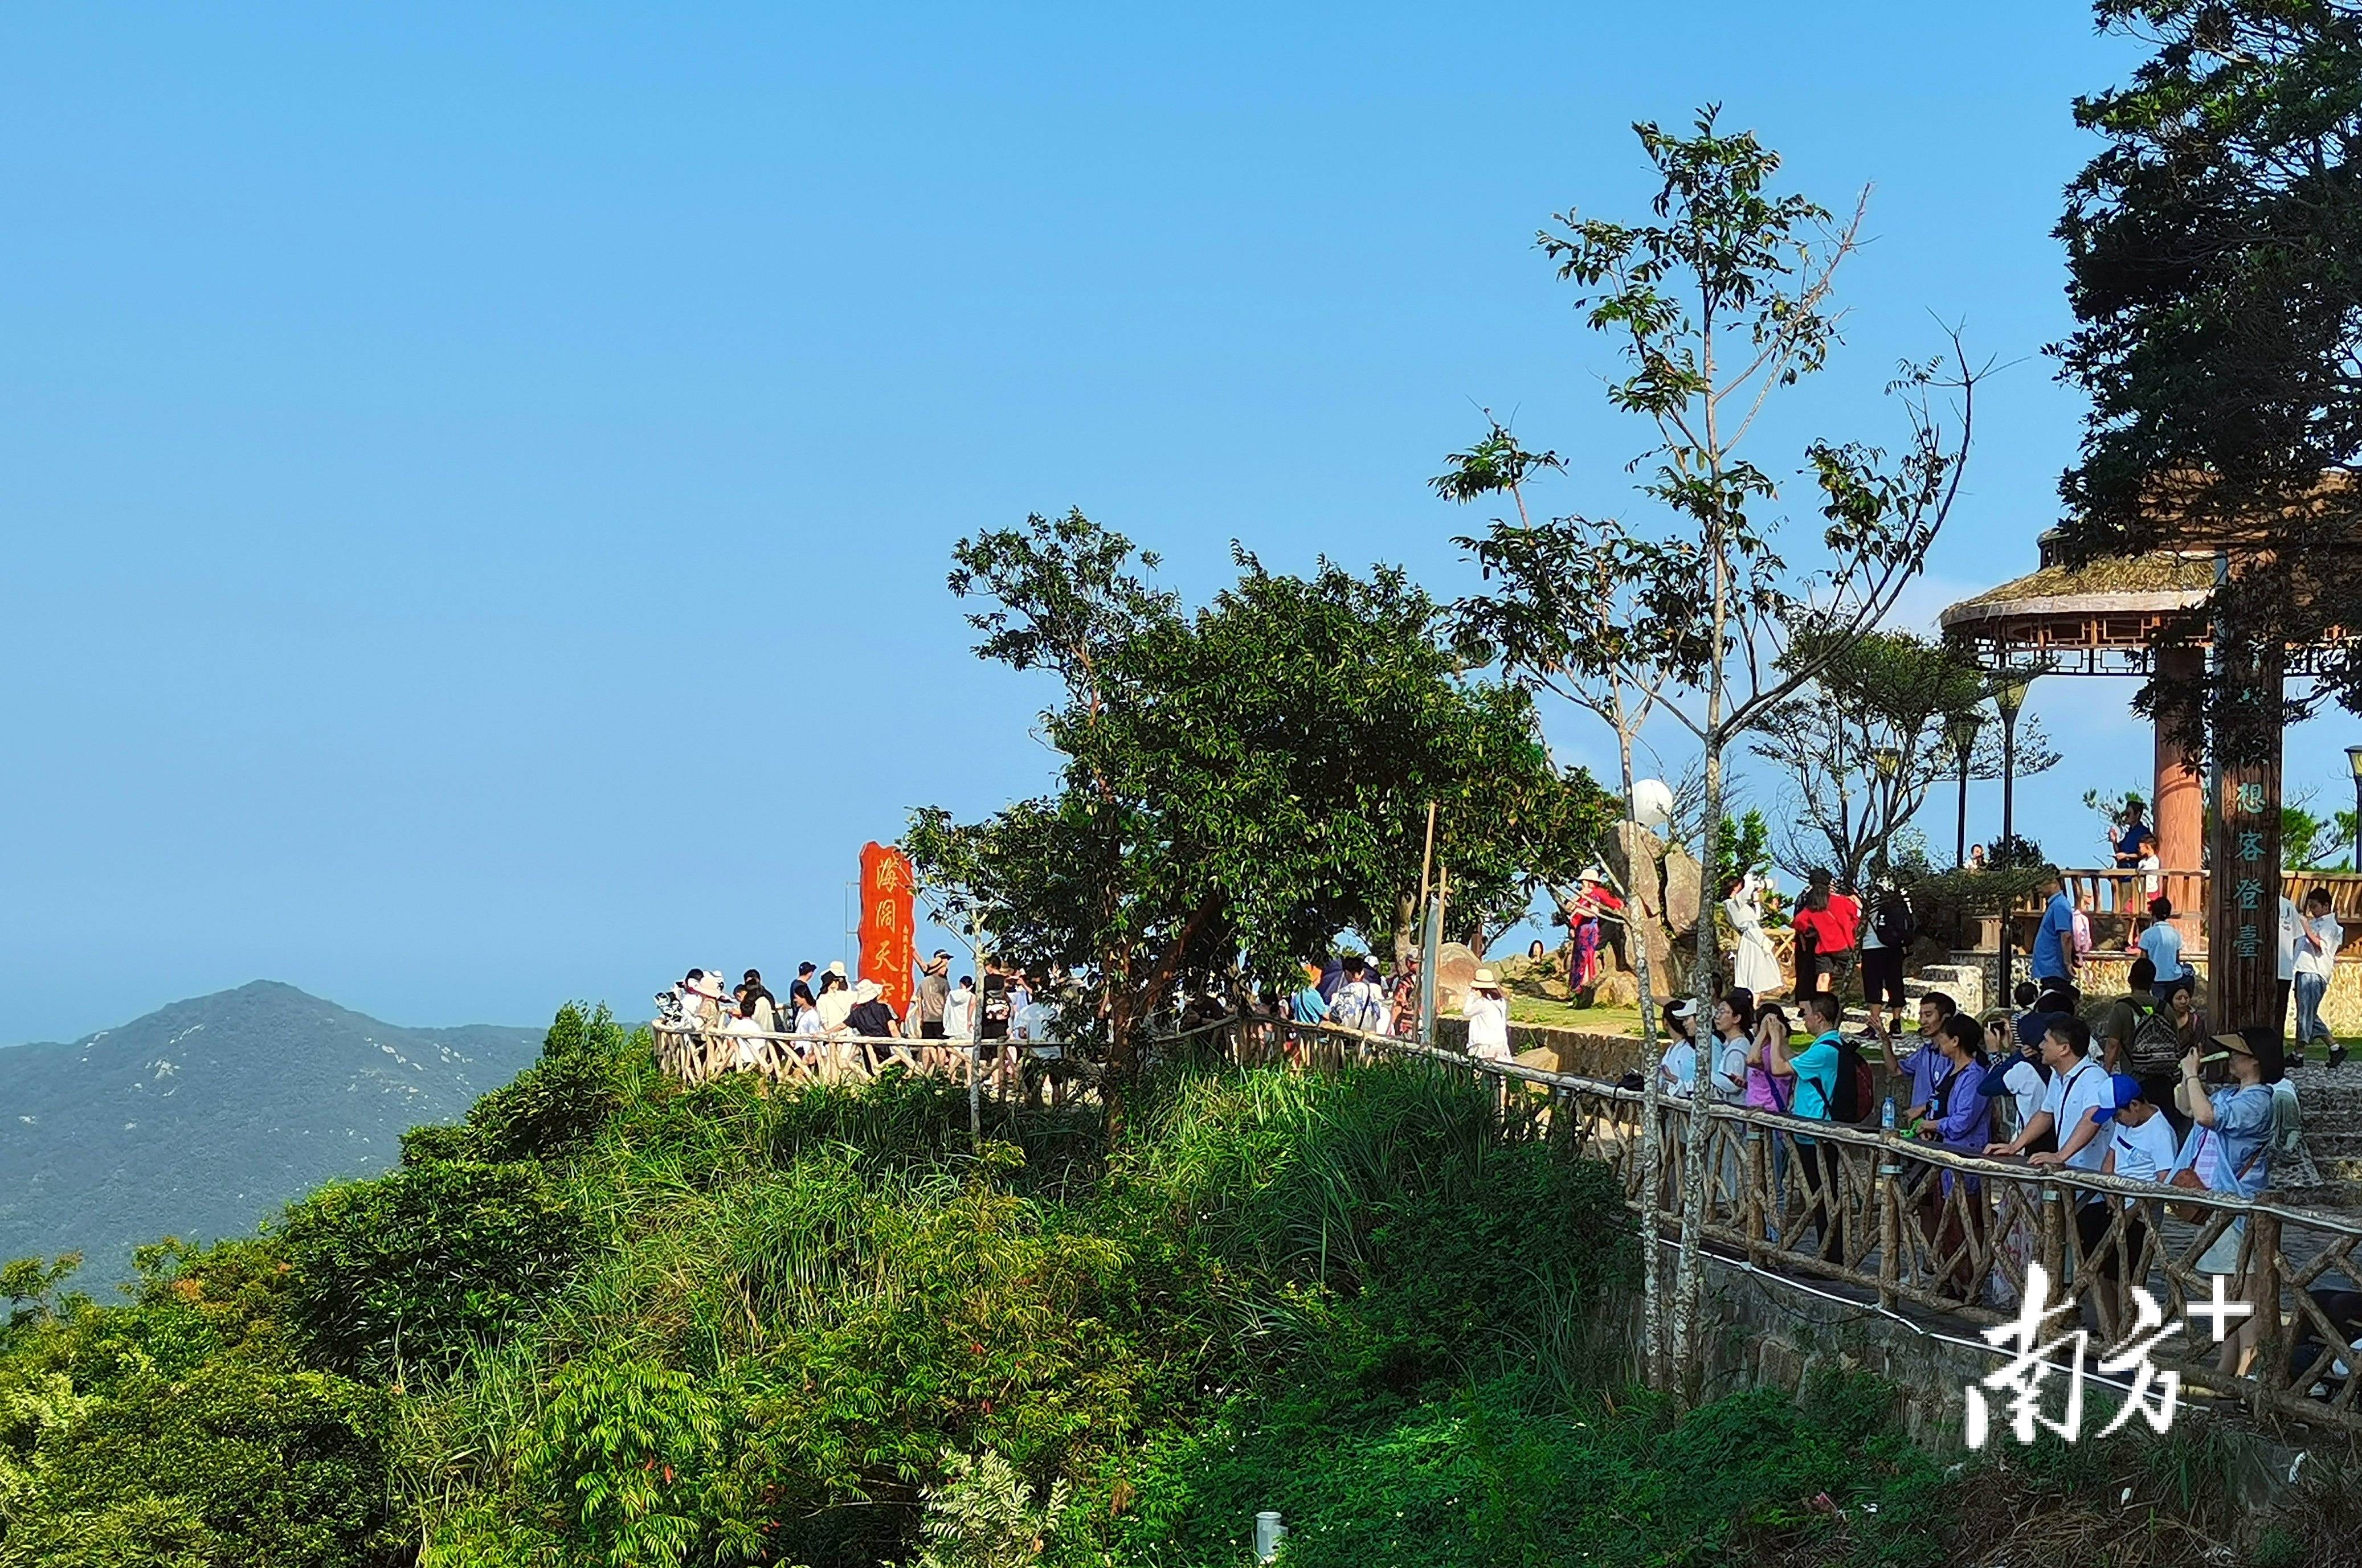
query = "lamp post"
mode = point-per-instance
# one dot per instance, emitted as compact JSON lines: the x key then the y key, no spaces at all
{"x":2354,"y":760}
{"x":2009,"y":696}
{"x":1961,"y":730}
{"x":1889,"y":762}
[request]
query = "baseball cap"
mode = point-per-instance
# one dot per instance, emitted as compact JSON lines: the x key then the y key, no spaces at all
{"x":2126,"y":1088}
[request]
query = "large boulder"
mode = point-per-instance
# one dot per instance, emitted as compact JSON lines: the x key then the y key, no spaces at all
{"x":1684,"y":882}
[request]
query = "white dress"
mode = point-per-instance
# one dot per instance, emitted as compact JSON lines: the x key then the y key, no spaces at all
{"x":1754,"y":967}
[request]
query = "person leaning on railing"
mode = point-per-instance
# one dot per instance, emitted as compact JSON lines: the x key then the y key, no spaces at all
{"x":1814,"y":1072}
{"x":2229,"y":1150}
{"x":1959,"y":1117}
{"x":2078,"y":1086}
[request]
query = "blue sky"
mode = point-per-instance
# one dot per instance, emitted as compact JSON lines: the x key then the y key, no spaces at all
{"x":478,"y":480}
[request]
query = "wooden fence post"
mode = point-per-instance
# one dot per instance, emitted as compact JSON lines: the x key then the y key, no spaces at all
{"x":1890,"y":1218}
{"x":2054,"y":1236}
{"x":2264,"y":1277}
{"x":1758,"y":1191}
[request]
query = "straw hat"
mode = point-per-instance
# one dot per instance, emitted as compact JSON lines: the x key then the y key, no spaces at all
{"x":1486,"y":980}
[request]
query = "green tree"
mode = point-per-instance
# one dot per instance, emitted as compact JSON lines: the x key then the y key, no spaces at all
{"x":1241,"y":783}
{"x":1859,"y":749}
{"x":2214,"y":254}
{"x":1724,"y":300}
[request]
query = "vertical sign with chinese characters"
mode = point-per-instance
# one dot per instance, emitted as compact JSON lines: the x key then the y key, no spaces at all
{"x":885,"y":935}
{"x":2243,"y":882}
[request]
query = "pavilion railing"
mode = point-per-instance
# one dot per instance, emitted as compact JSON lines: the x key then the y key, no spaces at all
{"x":1924,"y":1228}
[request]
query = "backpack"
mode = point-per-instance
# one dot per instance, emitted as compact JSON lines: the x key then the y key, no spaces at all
{"x":1895,"y":926}
{"x":2155,"y":1045}
{"x":1855,"y":1103}
{"x":1848,"y":1099}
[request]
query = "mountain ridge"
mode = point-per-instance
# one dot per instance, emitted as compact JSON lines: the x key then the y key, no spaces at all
{"x":200,"y":1119}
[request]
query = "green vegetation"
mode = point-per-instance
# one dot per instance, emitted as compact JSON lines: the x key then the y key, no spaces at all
{"x":607,"y":1319}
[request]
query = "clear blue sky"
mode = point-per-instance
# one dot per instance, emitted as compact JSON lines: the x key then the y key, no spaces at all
{"x":478,"y":480}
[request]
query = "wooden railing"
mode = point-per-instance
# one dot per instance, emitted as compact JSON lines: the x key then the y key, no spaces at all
{"x":2128,"y":892}
{"x":1922,"y":1227}
{"x":1040,"y":1069}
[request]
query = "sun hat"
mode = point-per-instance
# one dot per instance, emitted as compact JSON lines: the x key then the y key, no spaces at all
{"x":867,"y":990}
{"x":708,"y":985}
{"x":1485,"y":980}
{"x":2234,"y":1043}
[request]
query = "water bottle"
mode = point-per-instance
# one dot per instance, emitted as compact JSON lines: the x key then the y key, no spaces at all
{"x":1886,"y":1116}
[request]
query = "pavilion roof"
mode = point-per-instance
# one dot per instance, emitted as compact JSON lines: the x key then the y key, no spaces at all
{"x":2158,"y":583}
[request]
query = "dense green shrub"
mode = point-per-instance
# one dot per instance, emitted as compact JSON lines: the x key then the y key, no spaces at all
{"x":405,"y":1269}
{"x":551,"y":1110}
{"x":231,"y":1465}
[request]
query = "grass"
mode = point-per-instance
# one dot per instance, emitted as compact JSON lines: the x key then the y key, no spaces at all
{"x":1524,"y":1008}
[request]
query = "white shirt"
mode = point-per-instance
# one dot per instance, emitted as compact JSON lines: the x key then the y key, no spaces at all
{"x":2292,"y":925}
{"x":1679,"y":1066}
{"x":2322,"y":960}
{"x":2144,"y":1153}
{"x":750,"y":1048}
{"x":834,"y":1008}
{"x":1488,"y":1025}
{"x":959,"y":1014}
{"x":2025,"y":1087}
{"x":2071,"y":1099}
{"x":808,"y":1022}
{"x":1730,"y":1068}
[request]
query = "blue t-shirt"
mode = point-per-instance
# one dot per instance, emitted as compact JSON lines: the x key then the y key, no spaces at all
{"x":1306,"y":1006}
{"x":2051,"y":942}
{"x":2131,"y":842}
{"x":1927,"y":1068}
{"x":1817,"y":1077}
{"x":2162,"y":942}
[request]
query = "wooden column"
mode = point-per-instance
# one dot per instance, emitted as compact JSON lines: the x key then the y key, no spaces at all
{"x":2243,"y":885}
{"x":2178,"y":805}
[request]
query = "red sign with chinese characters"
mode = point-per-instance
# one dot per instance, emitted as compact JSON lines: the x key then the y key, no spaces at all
{"x":887,"y":939}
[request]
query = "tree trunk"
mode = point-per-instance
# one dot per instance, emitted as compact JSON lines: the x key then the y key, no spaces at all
{"x":1652,"y":1308}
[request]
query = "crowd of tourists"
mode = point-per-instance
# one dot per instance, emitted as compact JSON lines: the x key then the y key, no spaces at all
{"x":720,"y":1026}
{"x":2153,"y":1095}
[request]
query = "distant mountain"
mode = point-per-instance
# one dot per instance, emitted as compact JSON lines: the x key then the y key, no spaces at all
{"x":203,"y":1117}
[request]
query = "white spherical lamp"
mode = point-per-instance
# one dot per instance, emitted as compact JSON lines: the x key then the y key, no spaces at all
{"x":1652,"y":804}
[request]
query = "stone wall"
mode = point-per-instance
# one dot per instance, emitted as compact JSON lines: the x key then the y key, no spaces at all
{"x":2106,"y":975}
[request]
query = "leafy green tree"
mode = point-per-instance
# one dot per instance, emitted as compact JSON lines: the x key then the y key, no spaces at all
{"x":2313,"y":843}
{"x":1724,"y":300}
{"x":1859,"y":750}
{"x":1241,"y":783}
{"x":2214,"y":254}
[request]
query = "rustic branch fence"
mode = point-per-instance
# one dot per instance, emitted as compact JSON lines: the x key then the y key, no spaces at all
{"x":1913,"y":1227}
{"x":1922,"y":1228}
